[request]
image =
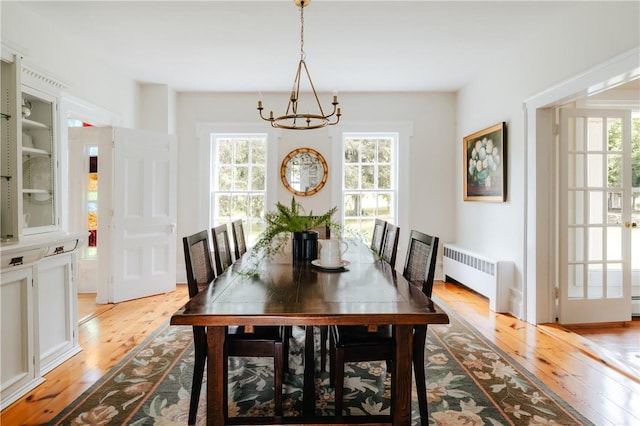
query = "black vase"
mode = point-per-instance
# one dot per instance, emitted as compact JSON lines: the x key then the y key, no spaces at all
{"x":305,"y":245}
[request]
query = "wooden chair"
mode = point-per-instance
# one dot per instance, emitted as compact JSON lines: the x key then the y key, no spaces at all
{"x":378,"y":235}
{"x":221,"y":247}
{"x":263,"y":342}
{"x":390,"y":244}
{"x":324,"y":231}
{"x":419,"y":269}
{"x":356,"y":343}
{"x":239,"y":242}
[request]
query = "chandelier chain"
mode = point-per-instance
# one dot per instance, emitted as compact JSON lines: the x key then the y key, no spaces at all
{"x":302,"y":55}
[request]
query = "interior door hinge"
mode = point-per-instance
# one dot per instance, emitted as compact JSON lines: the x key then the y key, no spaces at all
{"x":555,"y":129}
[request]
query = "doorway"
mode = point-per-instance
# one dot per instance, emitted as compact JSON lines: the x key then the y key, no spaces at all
{"x":598,"y":213}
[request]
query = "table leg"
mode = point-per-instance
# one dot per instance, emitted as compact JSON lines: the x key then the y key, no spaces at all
{"x":309,"y":391}
{"x":401,"y":391}
{"x":216,"y":377}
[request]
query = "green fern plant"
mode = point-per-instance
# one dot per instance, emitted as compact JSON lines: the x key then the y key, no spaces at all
{"x":283,"y":221}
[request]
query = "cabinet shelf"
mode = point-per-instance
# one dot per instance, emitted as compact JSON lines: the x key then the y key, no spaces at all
{"x":30,"y":124}
{"x":5,"y":116}
{"x":35,"y":152}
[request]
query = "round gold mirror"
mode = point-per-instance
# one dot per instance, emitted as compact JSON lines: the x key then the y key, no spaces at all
{"x":304,"y":171}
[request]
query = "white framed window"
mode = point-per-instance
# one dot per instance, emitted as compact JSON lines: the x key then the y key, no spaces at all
{"x":238,"y":181}
{"x":369,"y":180}
{"x":236,"y":178}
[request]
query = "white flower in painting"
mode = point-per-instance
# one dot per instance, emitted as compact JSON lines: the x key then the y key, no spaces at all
{"x":484,"y":160}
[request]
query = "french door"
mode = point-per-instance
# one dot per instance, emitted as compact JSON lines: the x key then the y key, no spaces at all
{"x":596,"y":223}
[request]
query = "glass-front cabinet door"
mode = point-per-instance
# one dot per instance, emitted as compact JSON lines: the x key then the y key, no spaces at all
{"x":38,"y":162}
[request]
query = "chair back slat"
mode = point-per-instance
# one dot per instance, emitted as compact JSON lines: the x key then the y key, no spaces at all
{"x":390,"y":244}
{"x":239,"y":242}
{"x":197,"y":256}
{"x":221,"y":247}
{"x":379,"y":227}
{"x":421,"y":260}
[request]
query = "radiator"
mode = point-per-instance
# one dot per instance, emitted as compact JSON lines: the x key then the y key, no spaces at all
{"x":489,"y":277}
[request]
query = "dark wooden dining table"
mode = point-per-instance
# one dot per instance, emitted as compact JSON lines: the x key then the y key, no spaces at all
{"x":285,"y":292}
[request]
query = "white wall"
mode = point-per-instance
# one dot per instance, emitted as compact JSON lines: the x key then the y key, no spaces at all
{"x":86,"y":73}
{"x":431,"y":151}
{"x":598,"y":32}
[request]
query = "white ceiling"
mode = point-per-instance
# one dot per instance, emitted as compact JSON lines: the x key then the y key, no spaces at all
{"x":350,"y":45}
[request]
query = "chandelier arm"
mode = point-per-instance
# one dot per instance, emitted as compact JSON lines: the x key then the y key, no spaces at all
{"x":313,"y":88}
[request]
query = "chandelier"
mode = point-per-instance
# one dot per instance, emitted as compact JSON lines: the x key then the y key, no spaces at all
{"x":292,"y":119}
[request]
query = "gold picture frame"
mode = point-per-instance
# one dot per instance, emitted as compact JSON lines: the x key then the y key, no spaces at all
{"x":485,"y":164}
{"x":304,"y":171}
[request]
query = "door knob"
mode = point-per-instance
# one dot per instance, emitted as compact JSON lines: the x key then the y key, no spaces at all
{"x":630,"y":225}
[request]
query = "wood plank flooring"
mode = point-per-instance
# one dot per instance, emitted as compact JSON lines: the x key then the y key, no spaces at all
{"x":605,"y":395}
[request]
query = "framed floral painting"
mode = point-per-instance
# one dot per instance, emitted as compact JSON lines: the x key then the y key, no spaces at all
{"x":485,"y":164}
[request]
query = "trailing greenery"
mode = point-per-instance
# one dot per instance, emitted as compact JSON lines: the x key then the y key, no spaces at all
{"x":285,"y":220}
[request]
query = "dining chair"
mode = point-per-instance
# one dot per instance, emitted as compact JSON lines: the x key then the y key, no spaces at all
{"x":378,"y":235}
{"x":390,"y":244}
{"x":239,"y":242}
{"x":324,"y":231}
{"x":221,"y":247}
{"x":419,"y":269}
{"x":358,"y":343}
{"x":263,"y":342}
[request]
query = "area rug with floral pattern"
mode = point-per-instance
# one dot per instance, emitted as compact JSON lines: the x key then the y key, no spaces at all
{"x":469,"y":382}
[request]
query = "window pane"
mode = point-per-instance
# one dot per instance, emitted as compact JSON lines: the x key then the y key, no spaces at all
{"x":258,"y":152}
{"x":225,"y":151}
{"x":239,"y":205}
{"x":351,"y":180}
{"x":368,"y":151}
{"x":242,"y":151}
{"x":384,"y":177}
{"x":369,"y":206}
{"x":223,"y":178}
{"x":258,"y":178}
{"x":385,"y":205}
{"x":351,"y":149}
{"x":222,"y":206}
{"x":368,"y":177}
{"x":384,"y":151}
{"x":351,"y":204}
{"x":241,"y":178}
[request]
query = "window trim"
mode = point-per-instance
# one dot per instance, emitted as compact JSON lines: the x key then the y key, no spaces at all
{"x":404,"y":130}
{"x":203,"y":138}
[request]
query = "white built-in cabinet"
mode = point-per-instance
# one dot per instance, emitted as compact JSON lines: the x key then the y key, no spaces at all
{"x":38,"y":316}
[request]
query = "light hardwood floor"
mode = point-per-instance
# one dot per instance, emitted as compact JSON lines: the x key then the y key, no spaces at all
{"x":605,"y":395}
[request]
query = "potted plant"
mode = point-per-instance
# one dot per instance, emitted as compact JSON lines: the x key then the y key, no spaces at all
{"x":292,"y":222}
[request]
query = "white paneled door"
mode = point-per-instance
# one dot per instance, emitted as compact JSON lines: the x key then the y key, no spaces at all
{"x":144,"y":214}
{"x":596,"y":199}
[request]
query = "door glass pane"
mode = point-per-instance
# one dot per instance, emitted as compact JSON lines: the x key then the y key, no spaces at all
{"x":614,"y":131}
{"x":576,"y":208}
{"x":595,"y":244}
{"x":614,"y":243}
{"x":576,"y":245}
{"x":595,"y":176}
{"x":576,"y":171}
{"x":575,"y":282}
{"x":595,"y":141}
{"x":614,"y":280}
{"x":576,"y":134}
{"x":614,"y":204}
{"x":614,"y":170}
{"x":596,"y":207}
{"x":595,"y":282}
